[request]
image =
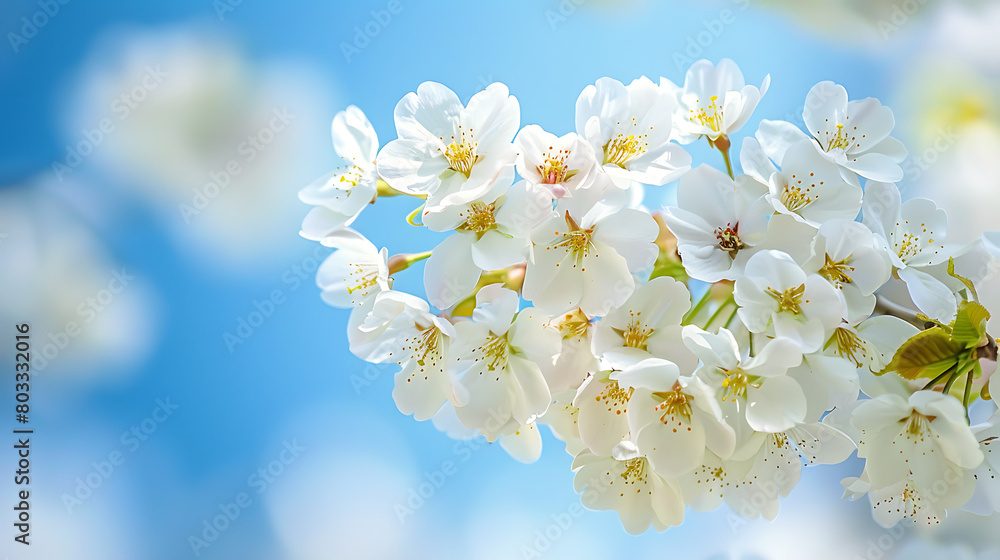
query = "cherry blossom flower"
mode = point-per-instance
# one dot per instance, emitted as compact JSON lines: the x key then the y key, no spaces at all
{"x":674,"y":420}
{"x":583,"y":317}
{"x":341,"y":195}
{"x":776,"y":293}
{"x":846,"y":254}
{"x":495,"y":364}
{"x":648,"y":322}
{"x":912,"y":234}
{"x":852,"y":134}
{"x":355,"y":272}
{"x":559,"y":164}
{"x":771,"y":401}
{"x":808,"y":187}
{"x":919,"y":455}
{"x":587,"y":260}
{"x":450,"y":153}
{"x":626,"y":483}
{"x":629,"y":128}
{"x":717,"y":222}
{"x":490,"y":236}
{"x":715,"y":101}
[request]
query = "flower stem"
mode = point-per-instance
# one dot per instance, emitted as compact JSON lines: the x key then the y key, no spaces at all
{"x":722,"y":144}
{"x":402,"y":261}
{"x":383,"y":189}
{"x":731,"y":316}
{"x":410,"y":218}
{"x":511,"y":277}
{"x":884,"y":306}
{"x":939,"y":378}
{"x":968,"y":390}
{"x":693,"y":312}
{"x":718,"y":311}
{"x":951,"y":381}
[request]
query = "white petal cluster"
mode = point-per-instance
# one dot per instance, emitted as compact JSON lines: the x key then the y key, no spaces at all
{"x":787,"y":312}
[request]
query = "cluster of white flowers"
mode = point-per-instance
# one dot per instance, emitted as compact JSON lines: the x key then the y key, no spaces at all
{"x":556,"y":298}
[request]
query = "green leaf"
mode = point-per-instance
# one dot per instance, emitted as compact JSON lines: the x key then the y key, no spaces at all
{"x":666,"y":266}
{"x":970,"y":323}
{"x":928,"y":354}
{"x":968,"y":283}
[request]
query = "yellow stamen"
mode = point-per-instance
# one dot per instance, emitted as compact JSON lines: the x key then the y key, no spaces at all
{"x":620,"y":149}
{"x":574,"y":324}
{"x":496,"y":351}
{"x":576,"y":241}
{"x":674,"y":403}
{"x":836,"y":271}
{"x":635,"y":470}
{"x":554,"y":169}
{"x":480,"y":217}
{"x":840,"y":140}
{"x":788,"y":300}
{"x":917,"y":424}
{"x":849,"y":345}
{"x":735,"y":383}
{"x":710,"y":116}
{"x":461,"y":152}
{"x":908,"y":247}
{"x":635,"y":335}
{"x":361,"y":277}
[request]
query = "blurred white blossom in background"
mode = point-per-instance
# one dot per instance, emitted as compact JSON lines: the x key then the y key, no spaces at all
{"x":89,"y":315}
{"x":211,"y":138}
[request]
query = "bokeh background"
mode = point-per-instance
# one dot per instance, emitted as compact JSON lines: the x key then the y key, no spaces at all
{"x":203,"y":353}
